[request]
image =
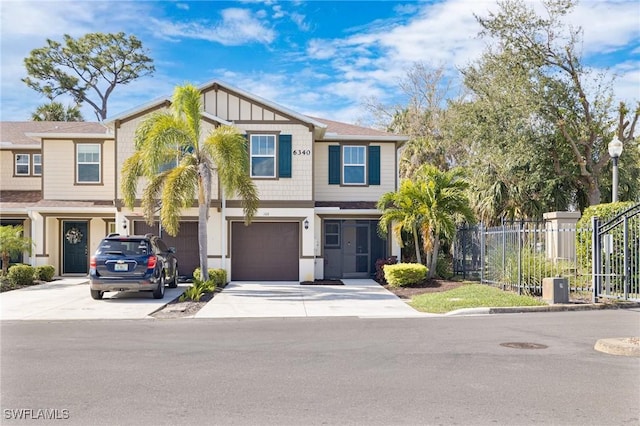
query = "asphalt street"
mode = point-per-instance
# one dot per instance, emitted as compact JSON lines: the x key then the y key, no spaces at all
{"x":314,"y":371}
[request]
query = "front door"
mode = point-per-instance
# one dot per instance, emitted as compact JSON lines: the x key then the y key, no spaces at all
{"x":74,"y":247}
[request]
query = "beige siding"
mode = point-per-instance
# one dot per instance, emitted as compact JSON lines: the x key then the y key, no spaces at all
{"x":9,"y":182}
{"x":59,"y":169}
{"x":326,"y":192}
{"x":299,"y":186}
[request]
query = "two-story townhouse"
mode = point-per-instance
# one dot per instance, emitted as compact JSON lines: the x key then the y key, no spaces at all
{"x":318,"y":183}
{"x":57,"y":179}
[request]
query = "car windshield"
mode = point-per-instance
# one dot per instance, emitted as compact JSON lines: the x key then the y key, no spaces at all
{"x":124,"y":247}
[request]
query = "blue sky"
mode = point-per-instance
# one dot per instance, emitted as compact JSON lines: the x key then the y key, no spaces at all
{"x":322,"y":58}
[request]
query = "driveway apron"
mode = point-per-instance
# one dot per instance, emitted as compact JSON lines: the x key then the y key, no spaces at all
{"x":69,"y":299}
{"x":357,"y":297}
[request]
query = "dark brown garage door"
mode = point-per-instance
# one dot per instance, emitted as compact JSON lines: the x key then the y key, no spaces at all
{"x":185,"y":243}
{"x":265,"y":251}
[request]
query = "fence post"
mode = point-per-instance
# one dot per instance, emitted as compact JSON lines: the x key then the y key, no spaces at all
{"x":504,"y":249}
{"x":625,"y":248}
{"x":482,"y":252}
{"x":520,"y":237}
{"x":595,"y":258}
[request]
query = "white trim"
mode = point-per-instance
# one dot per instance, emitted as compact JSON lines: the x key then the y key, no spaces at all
{"x":70,"y":135}
{"x":363,"y":138}
{"x":216,"y":118}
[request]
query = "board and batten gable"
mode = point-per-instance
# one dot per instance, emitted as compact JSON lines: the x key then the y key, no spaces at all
{"x":60,"y":172}
{"x":324,"y":191}
{"x":9,"y":181}
{"x":253,"y":117}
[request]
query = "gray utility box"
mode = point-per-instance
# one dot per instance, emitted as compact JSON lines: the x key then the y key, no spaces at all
{"x":555,"y":290}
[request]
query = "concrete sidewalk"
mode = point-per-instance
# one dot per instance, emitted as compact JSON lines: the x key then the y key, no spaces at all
{"x":358,"y":298}
{"x":69,"y":299}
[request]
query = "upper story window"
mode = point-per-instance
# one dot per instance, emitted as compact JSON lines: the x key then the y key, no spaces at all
{"x":23,"y":165}
{"x":354,"y":165}
{"x":263,"y":156}
{"x":37,"y":164}
{"x":87,"y":163}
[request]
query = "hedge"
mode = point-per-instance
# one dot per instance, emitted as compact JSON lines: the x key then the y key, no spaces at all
{"x":402,"y":274}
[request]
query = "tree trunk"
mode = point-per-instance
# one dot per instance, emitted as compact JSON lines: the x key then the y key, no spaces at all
{"x":594,"y":193}
{"x":5,"y":262}
{"x":434,"y":258}
{"x":202,"y":240}
{"x":417,"y":244}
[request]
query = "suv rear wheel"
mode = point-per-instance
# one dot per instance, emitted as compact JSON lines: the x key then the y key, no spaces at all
{"x":97,"y":294}
{"x":174,"y":281}
{"x":158,"y":293}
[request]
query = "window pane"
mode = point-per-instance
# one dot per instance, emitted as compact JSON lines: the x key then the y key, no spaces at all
{"x":88,"y":156}
{"x":88,"y":173}
{"x":354,"y":175}
{"x":37,"y":164}
{"x":263,"y":166}
{"x":22,"y":164}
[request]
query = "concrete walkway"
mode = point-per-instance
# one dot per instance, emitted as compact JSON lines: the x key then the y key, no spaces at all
{"x":358,"y":298}
{"x":69,"y":299}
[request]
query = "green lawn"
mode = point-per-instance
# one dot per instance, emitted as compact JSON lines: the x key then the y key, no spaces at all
{"x":470,"y":296}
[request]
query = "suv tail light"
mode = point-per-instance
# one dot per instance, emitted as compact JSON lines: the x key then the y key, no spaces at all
{"x":151,"y":262}
{"x":92,"y":262}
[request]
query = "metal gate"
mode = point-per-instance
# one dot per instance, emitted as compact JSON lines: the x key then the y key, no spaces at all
{"x":616,"y":256}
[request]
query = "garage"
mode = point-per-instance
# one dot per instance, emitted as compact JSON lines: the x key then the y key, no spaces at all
{"x":265,"y":251}
{"x":185,"y":243}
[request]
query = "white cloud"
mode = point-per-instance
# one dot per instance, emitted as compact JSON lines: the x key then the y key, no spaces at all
{"x":237,"y":27}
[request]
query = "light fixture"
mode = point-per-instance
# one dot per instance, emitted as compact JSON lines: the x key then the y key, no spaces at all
{"x":615,"y":151}
{"x":124,"y":224}
{"x":306,"y":224}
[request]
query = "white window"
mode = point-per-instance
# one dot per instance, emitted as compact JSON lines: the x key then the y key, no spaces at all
{"x":22,"y":164}
{"x":354,"y":165}
{"x":88,"y":163}
{"x":263,"y":156}
{"x":37,"y":164}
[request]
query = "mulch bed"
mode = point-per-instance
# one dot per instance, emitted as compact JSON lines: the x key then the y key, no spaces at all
{"x":426,"y":286}
{"x":322,"y":282}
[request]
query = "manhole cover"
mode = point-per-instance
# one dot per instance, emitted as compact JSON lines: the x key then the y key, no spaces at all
{"x":523,"y":345}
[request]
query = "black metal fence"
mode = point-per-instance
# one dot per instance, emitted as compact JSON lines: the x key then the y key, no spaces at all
{"x":518,"y":255}
{"x":616,"y":258}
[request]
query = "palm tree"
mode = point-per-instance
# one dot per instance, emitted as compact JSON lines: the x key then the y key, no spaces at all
{"x":447,"y":204}
{"x":12,"y":242}
{"x":55,"y":111}
{"x":174,"y":138}
{"x":429,"y":205}
{"x":404,"y":210}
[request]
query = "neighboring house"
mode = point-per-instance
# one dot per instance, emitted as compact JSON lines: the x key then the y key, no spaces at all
{"x":318,"y":183}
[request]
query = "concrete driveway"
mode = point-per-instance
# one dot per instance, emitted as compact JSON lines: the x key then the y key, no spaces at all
{"x":357,"y":298}
{"x":69,"y":299}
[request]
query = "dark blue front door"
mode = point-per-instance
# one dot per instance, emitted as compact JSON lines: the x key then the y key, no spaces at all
{"x":75,"y":248}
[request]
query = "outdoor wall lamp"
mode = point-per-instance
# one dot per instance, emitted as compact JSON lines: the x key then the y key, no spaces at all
{"x":124,"y":224}
{"x":306,"y":224}
{"x":615,"y":150}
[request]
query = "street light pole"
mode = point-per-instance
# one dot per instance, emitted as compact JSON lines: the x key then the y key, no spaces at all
{"x":615,"y":150}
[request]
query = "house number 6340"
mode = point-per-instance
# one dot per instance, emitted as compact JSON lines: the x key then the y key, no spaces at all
{"x":301,"y":152}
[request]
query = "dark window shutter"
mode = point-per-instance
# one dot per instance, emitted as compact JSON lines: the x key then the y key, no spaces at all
{"x":334,"y":165}
{"x":284,"y":156}
{"x":374,"y":165}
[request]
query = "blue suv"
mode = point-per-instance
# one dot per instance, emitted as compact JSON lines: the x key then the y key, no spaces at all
{"x":132,"y":263}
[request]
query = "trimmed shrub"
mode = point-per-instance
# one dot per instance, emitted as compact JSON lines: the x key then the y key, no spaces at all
{"x":217,"y":275}
{"x":44,"y":273}
{"x":402,"y":274}
{"x":21,"y":275}
{"x":380,"y":263}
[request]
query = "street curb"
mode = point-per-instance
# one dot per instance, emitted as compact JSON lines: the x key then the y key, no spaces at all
{"x":625,"y":346}
{"x":550,"y":308}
